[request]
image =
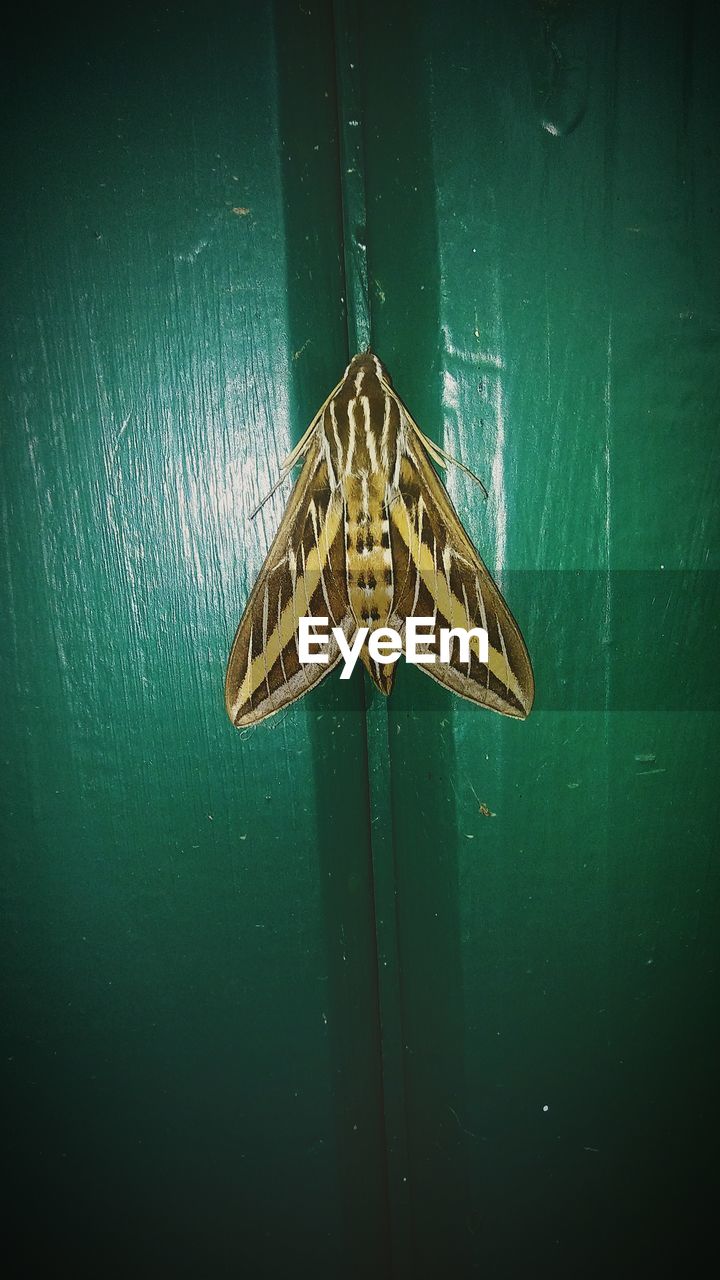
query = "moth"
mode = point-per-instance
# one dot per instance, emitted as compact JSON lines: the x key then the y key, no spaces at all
{"x":370,"y":538}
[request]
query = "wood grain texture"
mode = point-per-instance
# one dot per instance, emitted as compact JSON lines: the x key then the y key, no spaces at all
{"x":557,"y":880}
{"x":192,"y":1026}
{"x":192,"y":1038}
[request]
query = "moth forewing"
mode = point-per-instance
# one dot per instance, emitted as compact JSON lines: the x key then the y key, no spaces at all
{"x":302,"y":575}
{"x":370,"y":538}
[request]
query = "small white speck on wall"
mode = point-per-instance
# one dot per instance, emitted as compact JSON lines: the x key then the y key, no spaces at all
{"x":546,"y":1107}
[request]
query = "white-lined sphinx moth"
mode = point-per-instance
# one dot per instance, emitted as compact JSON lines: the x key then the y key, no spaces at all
{"x":370,"y":538}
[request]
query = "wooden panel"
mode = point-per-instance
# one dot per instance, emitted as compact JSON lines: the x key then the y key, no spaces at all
{"x":193,"y":1044}
{"x":544,"y":257}
{"x":376,"y":988}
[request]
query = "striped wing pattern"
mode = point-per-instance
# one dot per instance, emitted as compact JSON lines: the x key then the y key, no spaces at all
{"x":448,"y":581}
{"x":370,"y":538}
{"x":303,"y":575}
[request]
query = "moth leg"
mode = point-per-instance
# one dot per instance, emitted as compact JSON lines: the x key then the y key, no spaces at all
{"x":286,"y":466}
{"x":280,"y":480}
{"x":304,"y":442}
{"x":439,"y":455}
{"x":296,"y":453}
{"x":436,"y":452}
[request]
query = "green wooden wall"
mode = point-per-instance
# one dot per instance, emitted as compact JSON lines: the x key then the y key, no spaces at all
{"x":376,"y":989}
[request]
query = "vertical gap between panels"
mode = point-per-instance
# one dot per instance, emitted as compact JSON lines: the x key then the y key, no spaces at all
{"x":348,"y":53}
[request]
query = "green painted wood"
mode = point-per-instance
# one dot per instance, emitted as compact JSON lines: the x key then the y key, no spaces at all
{"x":192,"y":1041}
{"x":208,"y":1070}
{"x":347,"y":24}
{"x":543,"y":251}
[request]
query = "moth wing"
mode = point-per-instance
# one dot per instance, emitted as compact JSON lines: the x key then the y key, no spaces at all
{"x":442,"y":576}
{"x":303,"y":575}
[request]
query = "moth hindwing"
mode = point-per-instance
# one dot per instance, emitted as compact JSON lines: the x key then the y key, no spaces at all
{"x":369,"y":539}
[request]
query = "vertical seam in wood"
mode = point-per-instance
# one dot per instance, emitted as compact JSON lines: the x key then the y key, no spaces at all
{"x":348,"y":55}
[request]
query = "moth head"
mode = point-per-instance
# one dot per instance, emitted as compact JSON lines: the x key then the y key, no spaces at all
{"x":367,"y":362}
